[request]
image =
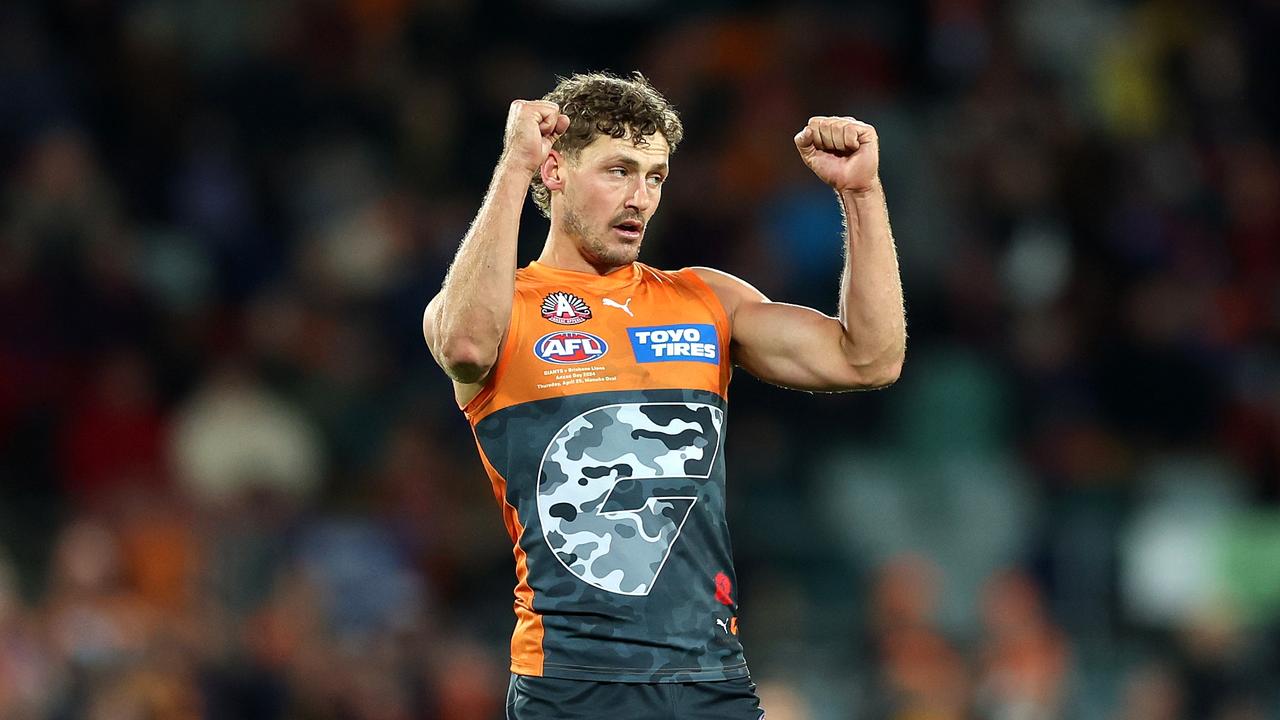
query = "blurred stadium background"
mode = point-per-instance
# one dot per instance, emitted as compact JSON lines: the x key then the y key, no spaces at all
{"x":233,"y":485}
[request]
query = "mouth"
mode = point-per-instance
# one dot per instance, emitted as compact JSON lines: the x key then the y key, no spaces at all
{"x":630,"y":229}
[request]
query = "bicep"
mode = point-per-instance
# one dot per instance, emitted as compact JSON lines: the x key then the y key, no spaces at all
{"x":795,"y":347}
{"x":431,"y":334}
{"x":429,"y":326}
{"x":463,"y":391}
{"x":788,"y":345}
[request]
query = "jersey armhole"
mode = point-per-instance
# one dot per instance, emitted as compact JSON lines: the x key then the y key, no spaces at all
{"x":723,"y":329}
{"x":490,"y":388}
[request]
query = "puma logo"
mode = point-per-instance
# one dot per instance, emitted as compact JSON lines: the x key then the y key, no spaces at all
{"x":722,"y":625}
{"x":623,"y":306}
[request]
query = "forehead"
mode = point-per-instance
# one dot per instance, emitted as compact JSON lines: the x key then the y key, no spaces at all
{"x":656,"y":151}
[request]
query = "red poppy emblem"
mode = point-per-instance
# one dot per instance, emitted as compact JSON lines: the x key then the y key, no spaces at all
{"x":724,"y":589}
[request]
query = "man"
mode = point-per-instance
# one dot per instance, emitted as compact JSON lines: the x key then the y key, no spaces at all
{"x":596,"y":389}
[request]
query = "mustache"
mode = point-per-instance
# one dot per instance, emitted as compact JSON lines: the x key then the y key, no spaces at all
{"x":628,"y":216}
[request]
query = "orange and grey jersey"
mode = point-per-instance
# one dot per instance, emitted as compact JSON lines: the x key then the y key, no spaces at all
{"x":602,"y":429}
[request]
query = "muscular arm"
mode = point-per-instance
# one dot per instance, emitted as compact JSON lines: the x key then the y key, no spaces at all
{"x":465,"y":323}
{"x":799,"y":347}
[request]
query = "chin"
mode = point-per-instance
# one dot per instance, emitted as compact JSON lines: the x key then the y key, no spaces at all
{"x":626,"y":256}
{"x":630,"y":252}
{"x":615,"y":255}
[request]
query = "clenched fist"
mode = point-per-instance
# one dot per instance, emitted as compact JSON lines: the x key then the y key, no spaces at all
{"x":842,"y":151}
{"x":533,"y":126}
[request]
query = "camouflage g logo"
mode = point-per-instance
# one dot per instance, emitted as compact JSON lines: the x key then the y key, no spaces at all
{"x":614,"y":488}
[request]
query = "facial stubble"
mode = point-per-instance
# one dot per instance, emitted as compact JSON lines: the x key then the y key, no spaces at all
{"x":594,"y":245}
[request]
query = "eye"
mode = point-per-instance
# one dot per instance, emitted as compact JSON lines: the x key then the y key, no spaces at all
{"x":618,"y":172}
{"x":656,"y":180}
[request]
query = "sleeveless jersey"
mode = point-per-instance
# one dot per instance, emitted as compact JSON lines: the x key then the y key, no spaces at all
{"x":601,"y":427}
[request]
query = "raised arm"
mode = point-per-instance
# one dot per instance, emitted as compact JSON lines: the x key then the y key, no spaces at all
{"x":799,"y":347}
{"x":465,"y":323}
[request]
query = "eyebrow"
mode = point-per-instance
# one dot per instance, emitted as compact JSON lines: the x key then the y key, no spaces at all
{"x":632,"y":163}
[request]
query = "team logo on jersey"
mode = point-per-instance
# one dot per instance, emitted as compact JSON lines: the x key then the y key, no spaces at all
{"x":668,"y":343}
{"x":566,"y":347}
{"x":565,"y":308}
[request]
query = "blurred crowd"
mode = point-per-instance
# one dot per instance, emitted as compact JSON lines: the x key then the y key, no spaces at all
{"x":233,"y":483}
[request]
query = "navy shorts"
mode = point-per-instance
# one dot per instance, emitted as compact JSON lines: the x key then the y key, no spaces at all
{"x":543,"y":698}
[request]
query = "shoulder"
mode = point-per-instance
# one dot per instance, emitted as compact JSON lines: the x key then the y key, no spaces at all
{"x":529,"y":287}
{"x":525,"y":277}
{"x":732,"y":291}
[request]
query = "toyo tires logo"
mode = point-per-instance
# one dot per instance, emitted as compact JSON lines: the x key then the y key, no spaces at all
{"x":569,"y":348}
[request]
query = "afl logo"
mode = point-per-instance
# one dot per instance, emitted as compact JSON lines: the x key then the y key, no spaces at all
{"x":566,"y":347}
{"x":565,"y":308}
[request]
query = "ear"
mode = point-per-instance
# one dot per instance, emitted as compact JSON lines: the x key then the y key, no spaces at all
{"x":553,"y":171}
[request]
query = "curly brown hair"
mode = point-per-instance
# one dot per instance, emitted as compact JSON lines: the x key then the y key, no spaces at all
{"x":603,"y":104}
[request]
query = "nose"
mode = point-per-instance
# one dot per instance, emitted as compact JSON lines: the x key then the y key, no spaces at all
{"x":641,"y":197}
